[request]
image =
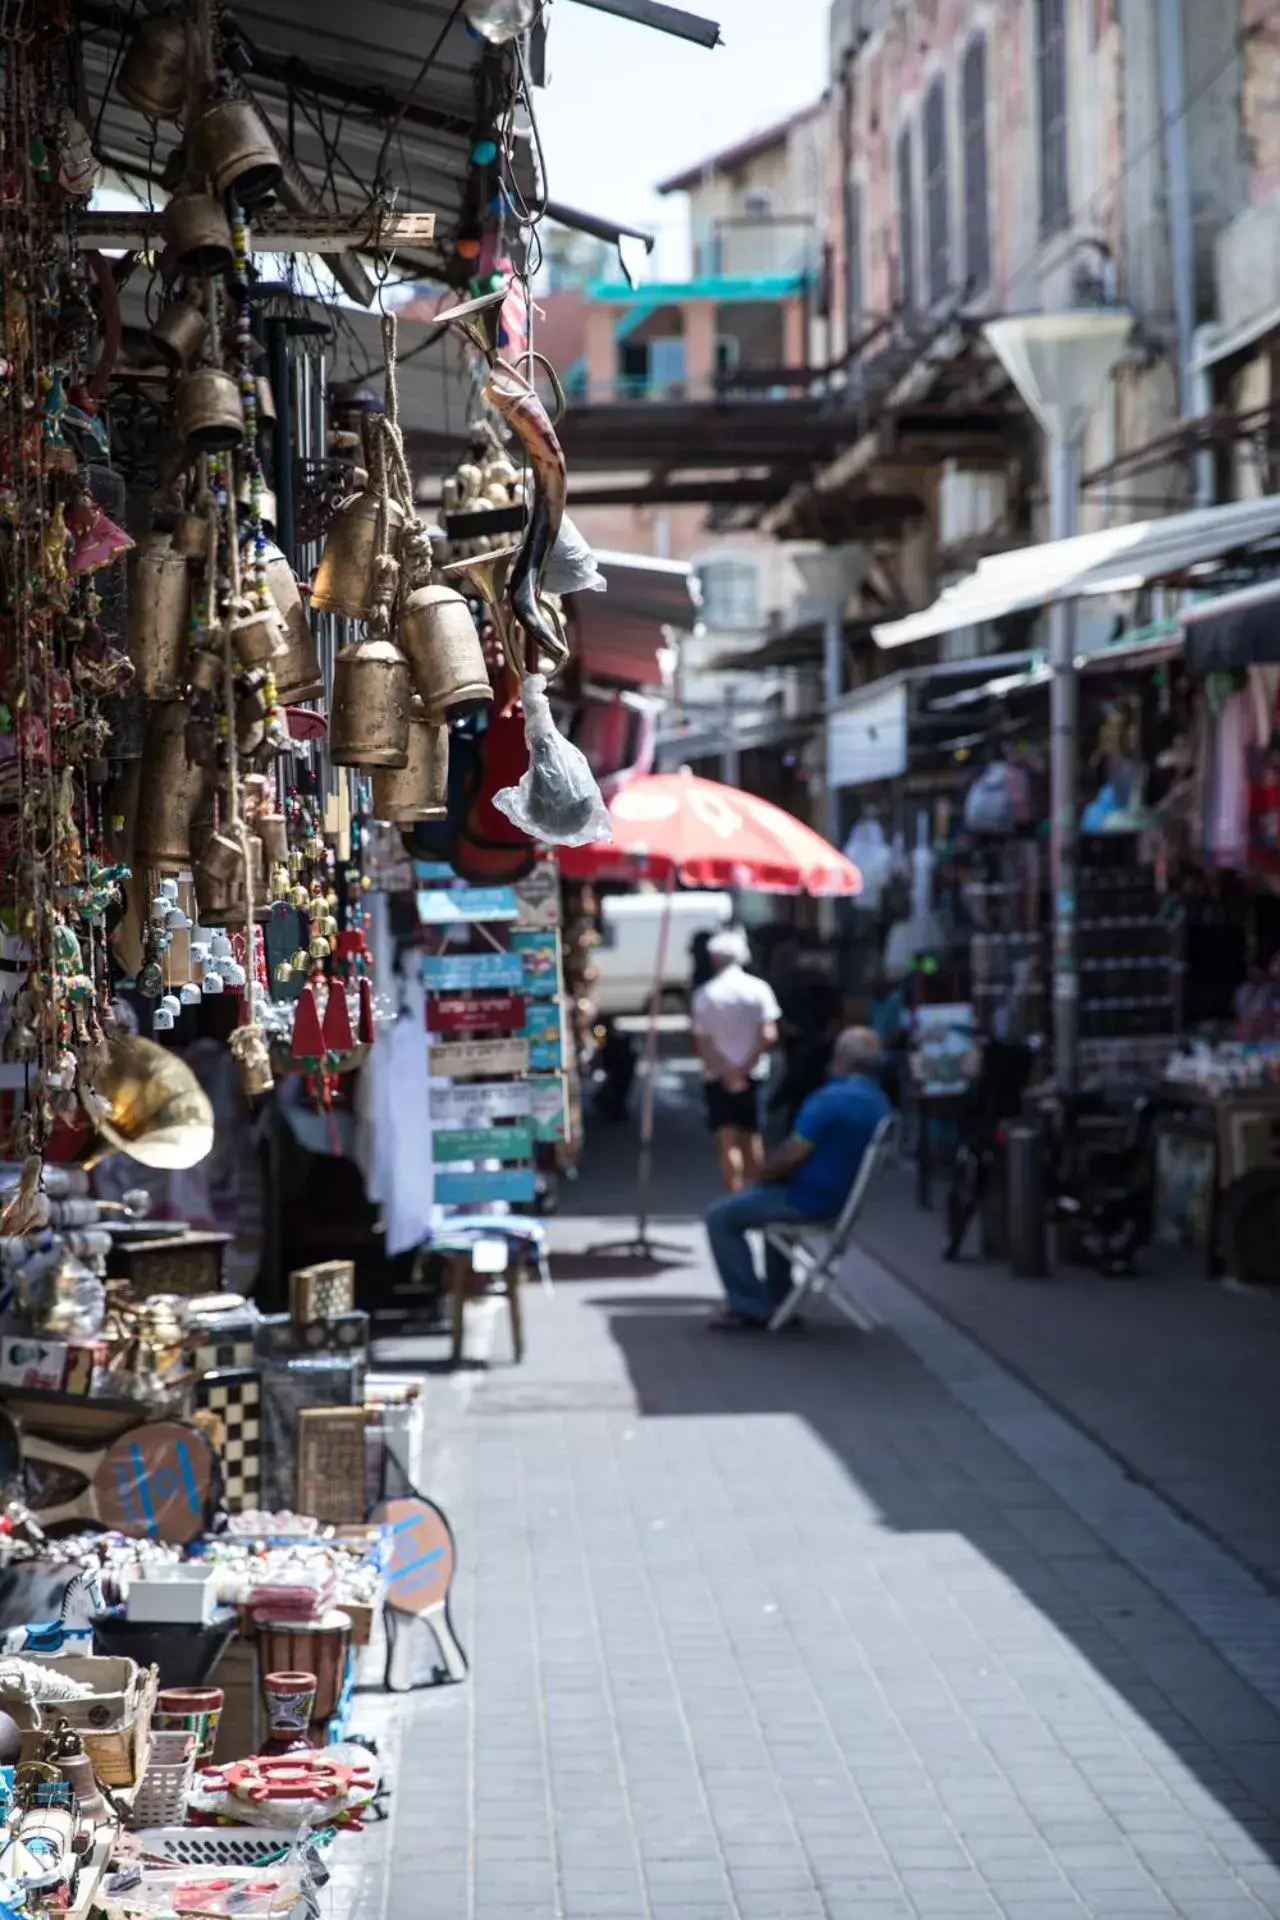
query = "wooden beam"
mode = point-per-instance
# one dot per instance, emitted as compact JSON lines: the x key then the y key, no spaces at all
{"x":132,"y":232}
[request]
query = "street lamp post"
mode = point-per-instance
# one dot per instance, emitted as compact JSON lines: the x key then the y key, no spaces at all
{"x":1060,"y":363}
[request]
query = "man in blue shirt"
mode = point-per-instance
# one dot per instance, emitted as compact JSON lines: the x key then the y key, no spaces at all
{"x":808,"y":1178}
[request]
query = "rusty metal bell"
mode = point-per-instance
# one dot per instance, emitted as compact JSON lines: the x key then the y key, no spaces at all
{"x":273,"y":831}
{"x":198,"y":235}
{"x":209,"y":412}
{"x":178,"y":336}
{"x":159,"y":609}
{"x":297,"y":670}
{"x":153,"y":73}
{"x":236,"y":150}
{"x":345,"y":577}
{"x":369,"y":712}
{"x":190,"y":536}
{"x":223,"y":857}
{"x":257,"y":635}
{"x":444,"y":651}
{"x":417,"y":791}
{"x":171,"y":794}
{"x":206,"y":670}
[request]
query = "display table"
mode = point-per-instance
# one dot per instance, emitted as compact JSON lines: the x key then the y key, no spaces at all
{"x":1206,"y":1142}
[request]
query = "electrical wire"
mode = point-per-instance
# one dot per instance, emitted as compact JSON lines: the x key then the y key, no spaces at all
{"x":379,"y":172}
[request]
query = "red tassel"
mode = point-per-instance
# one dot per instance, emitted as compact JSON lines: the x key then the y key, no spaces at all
{"x":308,"y":1041}
{"x":337,"y":1020}
{"x":365,"y":1021}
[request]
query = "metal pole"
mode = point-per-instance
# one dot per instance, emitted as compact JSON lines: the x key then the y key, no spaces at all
{"x":832,"y":688}
{"x":1177,"y":167}
{"x":730,"y":762}
{"x":644,"y":1169}
{"x":1064,"y":731}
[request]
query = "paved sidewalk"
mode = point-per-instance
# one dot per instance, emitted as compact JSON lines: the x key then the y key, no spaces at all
{"x":1175,"y":1375}
{"x":823,"y":1628}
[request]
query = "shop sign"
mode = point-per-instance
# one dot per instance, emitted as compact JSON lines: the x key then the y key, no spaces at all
{"x":546,"y":1107}
{"x":539,"y":896}
{"x":478,"y":1103}
{"x":461,"y":972}
{"x":545,"y":1055}
{"x":495,"y":1183}
{"x":459,"y":906}
{"x":478,"y":1059}
{"x":434,"y":873}
{"x":484,"y":1143}
{"x":481,"y":1013}
{"x":540,"y":956}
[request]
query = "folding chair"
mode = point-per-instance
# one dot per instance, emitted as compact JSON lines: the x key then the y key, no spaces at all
{"x":817,"y":1247}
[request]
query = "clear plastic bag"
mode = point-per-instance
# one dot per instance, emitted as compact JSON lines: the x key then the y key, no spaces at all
{"x":571,"y":565}
{"x":557,"y":800}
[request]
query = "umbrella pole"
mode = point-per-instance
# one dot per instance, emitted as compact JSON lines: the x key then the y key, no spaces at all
{"x":640,"y":1246}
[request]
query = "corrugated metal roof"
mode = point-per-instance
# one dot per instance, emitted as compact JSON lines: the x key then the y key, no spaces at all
{"x":331,"y":74}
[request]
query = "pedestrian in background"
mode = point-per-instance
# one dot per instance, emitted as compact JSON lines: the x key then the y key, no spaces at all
{"x":735,"y":1024}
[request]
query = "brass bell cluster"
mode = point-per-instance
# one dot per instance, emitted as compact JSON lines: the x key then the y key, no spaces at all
{"x":419,"y":663}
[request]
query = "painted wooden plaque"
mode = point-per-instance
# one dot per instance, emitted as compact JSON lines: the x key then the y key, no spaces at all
{"x":479,"y":1104}
{"x":539,"y":896}
{"x":464,"y":972}
{"x":461,"y":906}
{"x":483,"y":1143}
{"x":476,"y":1013}
{"x":540,"y":958}
{"x":478,"y":1059}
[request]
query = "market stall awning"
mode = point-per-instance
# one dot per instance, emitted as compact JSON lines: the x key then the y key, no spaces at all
{"x":620,"y":633}
{"x":1112,"y":560}
{"x":1237,"y":630}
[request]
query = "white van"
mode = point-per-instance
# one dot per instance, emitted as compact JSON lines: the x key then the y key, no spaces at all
{"x":627,"y":957}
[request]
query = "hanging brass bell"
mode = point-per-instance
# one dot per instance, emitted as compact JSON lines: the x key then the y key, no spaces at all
{"x":153,"y":73}
{"x":253,"y":1060}
{"x":170,"y":795}
{"x":206,"y":670}
{"x":301,"y":961}
{"x":297,"y":669}
{"x":273,"y":831}
{"x":266,"y":402}
{"x":236,"y":150}
{"x":223,"y":857}
{"x":344,"y":580}
{"x":178,"y":336}
{"x":416,"y":791}
{"x":443,"y":648}
{"x":197,"y":236}
{"x":319,"y":948}
{"x":284,"y":973}
{"x":300,"y":898}
{"x":190,"y":536}
{"x":208,"y":412}
{"x":256,"y":634}
{"x":369,"y":712}
{"x":159,"y":610}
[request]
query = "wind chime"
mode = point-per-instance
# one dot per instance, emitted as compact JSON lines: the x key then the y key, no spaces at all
{"x":56,"y":664}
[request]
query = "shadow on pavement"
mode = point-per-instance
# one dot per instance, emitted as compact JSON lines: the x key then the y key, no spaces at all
{"x":930,"y":1469}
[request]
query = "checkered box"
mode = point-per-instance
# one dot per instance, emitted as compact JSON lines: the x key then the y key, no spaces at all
{"x":233,"y":1399}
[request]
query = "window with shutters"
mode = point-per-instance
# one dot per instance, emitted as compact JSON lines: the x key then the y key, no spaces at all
{"x":977,"y":213}
{"x":937,"y":211}
{"x":853,"y":260}
{"x":1051,"y":52}
{"x":906,"y":223}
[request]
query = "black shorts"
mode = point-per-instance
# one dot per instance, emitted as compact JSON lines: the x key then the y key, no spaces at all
{"x":739,"y":1111}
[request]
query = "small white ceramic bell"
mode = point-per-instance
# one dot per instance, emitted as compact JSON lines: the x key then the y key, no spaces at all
{"x":177,"y":921}
{"x":173,"y":1003}
{"x":233,"y":974}
{"x":220,"y":947}
{"x":189,"y":994}
{"x":212,"y":982}
{"x":169,"y":888}
{"x":159,"y":910}
{"x":162,"y":1020}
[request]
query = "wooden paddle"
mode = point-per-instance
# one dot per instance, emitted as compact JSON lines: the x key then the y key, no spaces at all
{"x":157,"y":1481}
{"x":420,"y":1571}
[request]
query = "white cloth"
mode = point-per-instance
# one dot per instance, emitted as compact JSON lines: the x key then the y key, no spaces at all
{"x":732,"y":1011}
{"x":403,"y":1114}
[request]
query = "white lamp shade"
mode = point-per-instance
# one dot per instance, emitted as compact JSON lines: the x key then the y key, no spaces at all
{"x":1061,"y":362}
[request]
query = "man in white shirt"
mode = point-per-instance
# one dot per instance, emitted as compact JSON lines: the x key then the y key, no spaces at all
{"x":735,"y":1023}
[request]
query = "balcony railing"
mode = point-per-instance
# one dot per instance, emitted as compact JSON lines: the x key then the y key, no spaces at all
{"x":753,"y":246}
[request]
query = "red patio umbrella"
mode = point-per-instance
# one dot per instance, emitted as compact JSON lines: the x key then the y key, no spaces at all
{"x":701,"y":834}
{"x":698,"y":833}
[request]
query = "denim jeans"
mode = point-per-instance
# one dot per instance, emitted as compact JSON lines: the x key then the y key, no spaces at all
{"x":727,"y":1223}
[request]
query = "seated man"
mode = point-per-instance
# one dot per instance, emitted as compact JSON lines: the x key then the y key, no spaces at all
{"x":808,"y":1178}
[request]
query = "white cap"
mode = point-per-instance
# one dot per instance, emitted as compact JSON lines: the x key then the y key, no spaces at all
{"x":729,"y":944}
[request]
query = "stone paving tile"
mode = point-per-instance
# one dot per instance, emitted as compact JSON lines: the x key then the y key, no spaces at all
{"x":784,"y":1631}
